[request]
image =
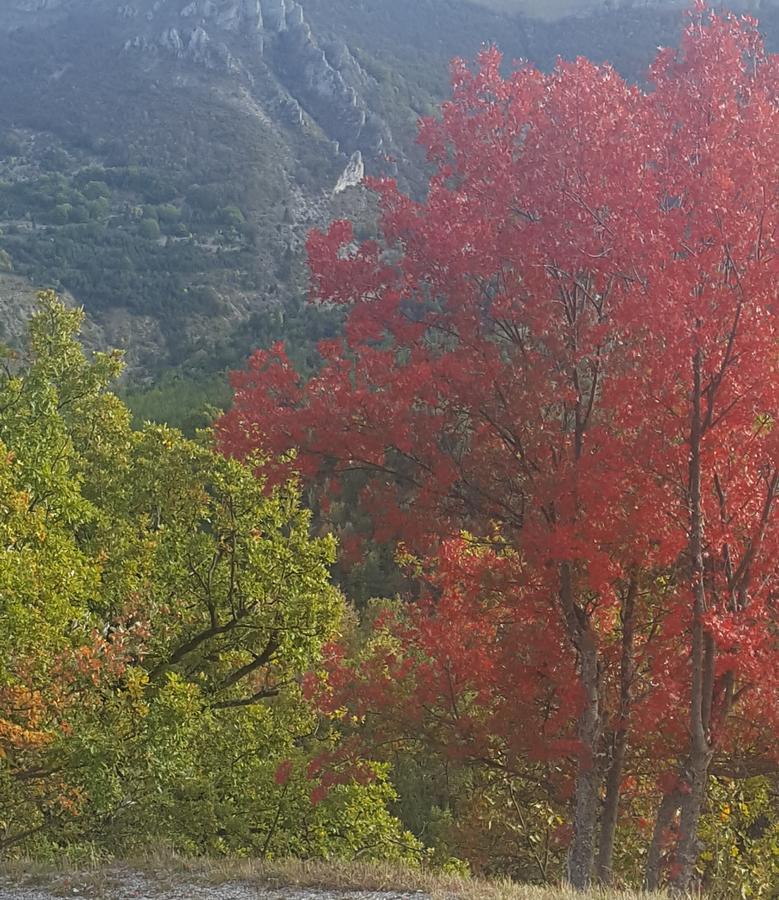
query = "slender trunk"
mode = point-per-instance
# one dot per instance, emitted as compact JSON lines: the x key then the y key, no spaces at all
{"x":697,"y":774}
{"x":688,"y":846}
{"x":581,"y":853}
{"x":701,"y":660}
{"x":654,"y":860}
{"x":610,"y":813}
{"x":588,"y":776}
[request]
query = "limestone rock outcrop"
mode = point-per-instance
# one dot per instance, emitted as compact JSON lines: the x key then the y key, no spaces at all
{"x":352,"y":175}
{"x":274,"y":15}
{"x":323,"y":81}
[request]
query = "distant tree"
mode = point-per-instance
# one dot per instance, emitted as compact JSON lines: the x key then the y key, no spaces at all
{"x":168,"y":215}
{"x":10,"y":144}
{"x":96,"y":190}
{"x":149,"y":229}
{"x":205,"y":198}
{"x":231,"y":217}
{"x":60,"y":215}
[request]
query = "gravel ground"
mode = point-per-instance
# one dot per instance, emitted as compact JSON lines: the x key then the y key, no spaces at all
{"x":128,"y":885}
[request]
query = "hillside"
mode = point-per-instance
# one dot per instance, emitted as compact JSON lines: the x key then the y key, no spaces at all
{"x":163,"y":160}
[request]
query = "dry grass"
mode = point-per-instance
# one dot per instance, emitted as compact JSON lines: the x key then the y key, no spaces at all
{"x":167,"y":869}
{"x":368,"y":877}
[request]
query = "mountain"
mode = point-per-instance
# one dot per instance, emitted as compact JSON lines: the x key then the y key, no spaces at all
{"x":163,"y":160}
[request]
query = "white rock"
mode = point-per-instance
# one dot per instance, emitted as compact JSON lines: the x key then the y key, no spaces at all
{"x":352,"y":175}
{"x":274,"y":14}
{"x":198,"y":44}
{"x":171,"y":40}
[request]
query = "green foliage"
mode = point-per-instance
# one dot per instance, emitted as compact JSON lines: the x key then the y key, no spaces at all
{"x":97,"y":190}
{"x":166,"y":214}
{"x":741,"y":836}
{"x":203,"y":781}
{"x":186,"y":403}
{"x":159,"y":607}
{"x":11,"y":144}
{"x":231,"y":217}
{"x":188,"y":396}
{"x":149,"y":229}
{"x":96,"y":232}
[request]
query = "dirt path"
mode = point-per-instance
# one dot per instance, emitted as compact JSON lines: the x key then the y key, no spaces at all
{"x":124,"y":884}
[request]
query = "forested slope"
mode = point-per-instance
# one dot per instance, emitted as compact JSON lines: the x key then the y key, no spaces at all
{"x":163,"y":161}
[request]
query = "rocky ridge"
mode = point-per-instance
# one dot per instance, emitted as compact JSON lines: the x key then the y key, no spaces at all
{"x":325,"y":82}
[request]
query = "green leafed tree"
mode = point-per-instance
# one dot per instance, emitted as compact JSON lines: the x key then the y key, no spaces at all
{"x":159,"y":608}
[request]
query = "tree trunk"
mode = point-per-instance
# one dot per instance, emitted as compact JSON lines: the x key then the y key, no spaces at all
{"x":588,"y":777}
{"x":665,"y":814}
{"x":688,"y":847}
{"x":581,"y":853}
{"x":701,"y":660}
{"x":610,"y":813}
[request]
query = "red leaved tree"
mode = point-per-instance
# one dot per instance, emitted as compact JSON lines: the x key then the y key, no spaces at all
{"x":568,"y":350}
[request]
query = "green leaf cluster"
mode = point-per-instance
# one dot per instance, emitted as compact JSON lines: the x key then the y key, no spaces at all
{"x":160,"y":605}
{"x":741,"y":834}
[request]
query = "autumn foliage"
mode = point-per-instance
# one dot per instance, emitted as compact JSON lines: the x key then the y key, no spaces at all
{"x":559,"y":373}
